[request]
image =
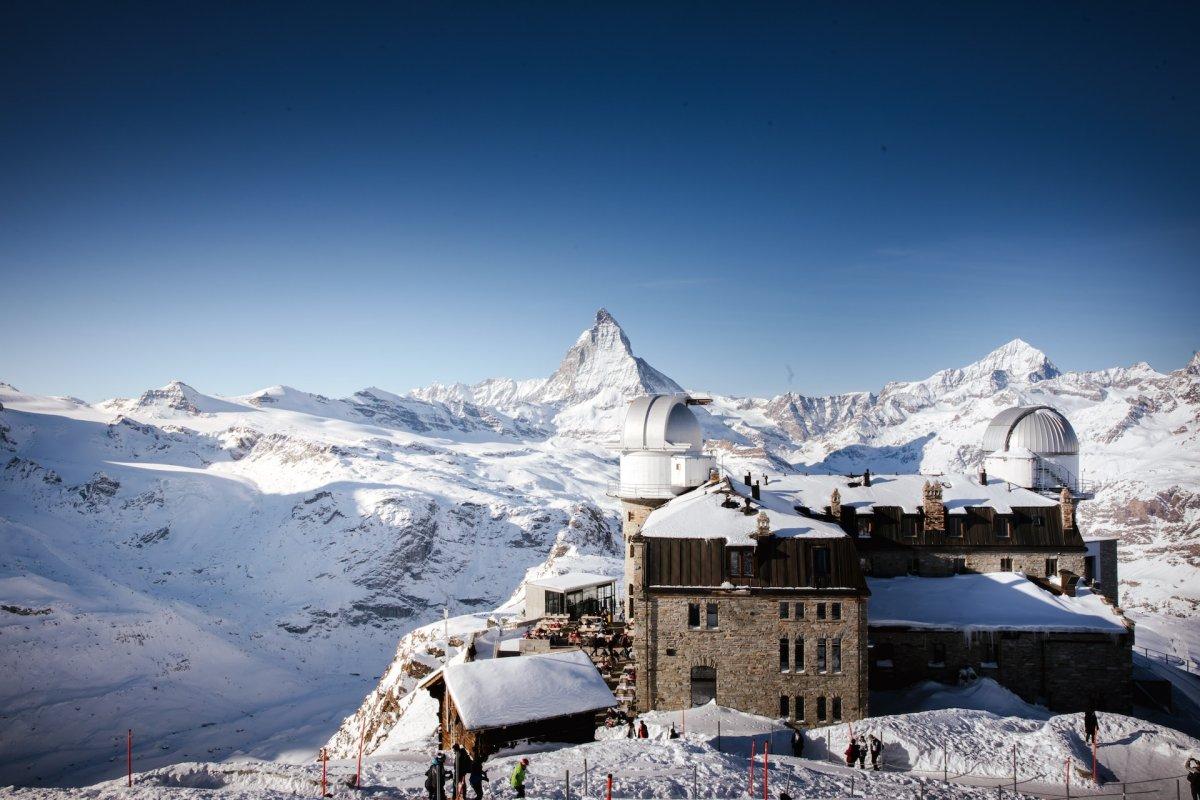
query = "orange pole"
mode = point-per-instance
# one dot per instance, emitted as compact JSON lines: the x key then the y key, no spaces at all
{"x":129,"y":755}
{"x":750,"y":787}
{"x":766,"y":756}
{"x":608,"y":791}
{"x":1095,"y":776}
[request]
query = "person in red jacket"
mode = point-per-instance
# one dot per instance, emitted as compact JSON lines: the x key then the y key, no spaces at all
{"x":851,"y":752}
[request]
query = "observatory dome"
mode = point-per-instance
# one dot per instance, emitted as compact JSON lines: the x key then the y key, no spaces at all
{"x":1038,"y":429}
{"x":661,"y":422}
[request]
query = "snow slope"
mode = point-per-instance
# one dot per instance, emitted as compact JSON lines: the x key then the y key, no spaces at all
{"x":233,"y":574}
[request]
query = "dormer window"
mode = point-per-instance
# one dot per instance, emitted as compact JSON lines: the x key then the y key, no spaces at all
{"x":740,"y":562}
{"x":865,"y":526}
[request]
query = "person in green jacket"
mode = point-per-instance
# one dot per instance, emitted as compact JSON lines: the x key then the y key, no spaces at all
{"x":518,"y":777}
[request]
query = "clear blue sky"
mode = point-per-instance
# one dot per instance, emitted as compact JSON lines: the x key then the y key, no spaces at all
{"x":247,"y":194}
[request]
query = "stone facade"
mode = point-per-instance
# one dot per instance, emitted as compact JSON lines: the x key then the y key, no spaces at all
{"x":1065,"y":671}
{"x":943,"y":561}
{"x":744,"y":649}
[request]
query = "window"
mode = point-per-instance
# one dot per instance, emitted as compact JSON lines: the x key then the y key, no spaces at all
{"x":693,"y":615}
{"x":821,"y":655}
{"x":937,"y":654}
{"x":630,"y":517}
{"x":821,"y":562}
{"x":1038,"y":521}
{"x":1089,"y":569}
{"x":741,"y":562}
{"x":837,"y":656}
{"x":1006,"y":564}
{"x":835,"y":610}
{"x":953,"y":526}
{"x":912,"y":526}
{"x":820,"y":709}
{"x":960,"y":565}
{"x":914,"y":565}
{"x":783,"y":610}
{"x":704,"y":685}
{"x":1051,"y":567}
{"x":784,"y":650}
{"x":837,"y":709}
{"x":799,"y":610}
{"x":1004,"y":528}
{"x":864,"y":527}
{"x":799,"y":704}
{"x":864,"y":564}
{"x":735,"y":563}
{"x":799,"y":655}
{"x":820,"y":611}
{"x":783,"y":705}
{"x":711,"y":614}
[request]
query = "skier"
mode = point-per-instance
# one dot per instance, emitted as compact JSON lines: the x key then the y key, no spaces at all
{"x":862,"y":753}
{"x":876,"y":747}
{"x":517,"y":781}
{"x":462,"y":768}
{"x":477,"y":777}
{"x":797,"y":743}
{"x":851,"y":752}
{"x":1091,"y":726}
{"x":643,"y":731}
{"x":1193,"y":777}
{"x":435,"y":778}
{"x":629,"y":731}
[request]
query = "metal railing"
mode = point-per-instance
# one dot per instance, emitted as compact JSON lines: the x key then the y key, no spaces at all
{"x":1188,"y":665}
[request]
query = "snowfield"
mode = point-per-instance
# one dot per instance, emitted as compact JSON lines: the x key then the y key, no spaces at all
{"x":230,"y":576}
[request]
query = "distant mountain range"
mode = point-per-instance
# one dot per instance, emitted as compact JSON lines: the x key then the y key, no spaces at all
{"x":178,"y":562}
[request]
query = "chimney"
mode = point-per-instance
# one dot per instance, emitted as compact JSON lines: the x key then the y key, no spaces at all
{"x":935,"y":509}
{"x":713,"y":475}
{"x":982,"y":476}
{"x":835,"y":504}
{"x":1066,"y":504}
{"x":763,"y":529}
{"x":867,"y":477}
{"x":747,"y":479}
{"x":755,"y":491}
{"x":746,"y":509}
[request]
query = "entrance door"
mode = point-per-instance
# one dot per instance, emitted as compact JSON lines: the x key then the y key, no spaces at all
{"x":704,"y":685}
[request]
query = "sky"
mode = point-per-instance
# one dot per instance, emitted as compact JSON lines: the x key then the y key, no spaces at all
{"x":806,"y":197}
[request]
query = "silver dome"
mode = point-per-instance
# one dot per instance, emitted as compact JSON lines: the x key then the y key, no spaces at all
{"x":661,"y":422}
{"x":1040,"y":429}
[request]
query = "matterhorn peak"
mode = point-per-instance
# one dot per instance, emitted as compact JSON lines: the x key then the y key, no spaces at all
{"x":1193,"y":366}
{"x":600,"y":359}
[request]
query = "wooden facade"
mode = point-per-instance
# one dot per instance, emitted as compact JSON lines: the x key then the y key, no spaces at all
{"x":980,"y":527}
{"x":775,"y":563}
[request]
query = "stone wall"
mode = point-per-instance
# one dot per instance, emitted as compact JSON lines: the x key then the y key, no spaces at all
{"x":1064,"y":671}
{"x":890,"y":563}
{"x":744,"y":650}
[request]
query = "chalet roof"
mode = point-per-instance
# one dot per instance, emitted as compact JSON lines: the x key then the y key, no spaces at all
{"x":499,"y":692}
{"x":571,"y":581}
{"x":986,"y":602}
{"x":959,"y":492}
{"x":701,"y":514}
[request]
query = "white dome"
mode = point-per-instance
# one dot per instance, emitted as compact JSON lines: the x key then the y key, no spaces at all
{"x":661,"y":422}
{"x":1039,"y":429}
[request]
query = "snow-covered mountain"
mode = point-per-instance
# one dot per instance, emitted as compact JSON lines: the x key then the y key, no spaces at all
{"x":232,"y":574}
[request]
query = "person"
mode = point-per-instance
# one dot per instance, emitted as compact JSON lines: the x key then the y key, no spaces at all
{"x":643,"y":731}
{"x":1091,"y":726}
{"x":477,"y":777}
{"x":462,"y":768}
{"x":629,"y":732}
{"x":517,"y":781}
{"x":851,"y":752}
{"x":876,"y":747}
{"x":797,"y":743}
{"x":435,"y":778}
{"x":673,"y":734}
{"x":1193,"y":777}
{"x":862,"y":753}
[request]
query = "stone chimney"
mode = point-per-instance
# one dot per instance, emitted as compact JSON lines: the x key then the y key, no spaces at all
{"x":1066,"y":505}
{"x":867,"y":478}
{"x":763,"y":529}
{"x":935,"y":509}
{"x":756,"y":491}
{"x":835,"y":504}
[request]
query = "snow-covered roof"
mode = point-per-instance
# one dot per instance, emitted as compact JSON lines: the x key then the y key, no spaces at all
{"x":959,"y":492}
{"x":991,"y":601}
{"x":571,"y":581}
{"x":512,"y":691}
{"x":700,"y":514}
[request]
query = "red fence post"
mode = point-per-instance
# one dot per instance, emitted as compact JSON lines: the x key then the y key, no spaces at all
{"x":129,"y":755}
{"x":766,"y":757}
{"x":750,"y":785}
{"x":608,"y":791}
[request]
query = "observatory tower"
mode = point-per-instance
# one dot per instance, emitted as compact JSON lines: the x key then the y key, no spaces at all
{"x":1034,"y":447}
{"x":661,"y":457}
